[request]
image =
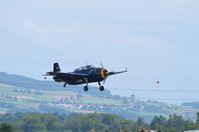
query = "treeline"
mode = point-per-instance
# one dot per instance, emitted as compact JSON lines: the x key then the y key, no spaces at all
{"x":34,"y":122}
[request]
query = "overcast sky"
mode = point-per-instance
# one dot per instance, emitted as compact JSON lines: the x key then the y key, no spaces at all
{"x":157,"y":40}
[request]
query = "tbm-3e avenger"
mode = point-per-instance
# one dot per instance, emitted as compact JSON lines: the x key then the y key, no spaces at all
{"x":83,"y":75}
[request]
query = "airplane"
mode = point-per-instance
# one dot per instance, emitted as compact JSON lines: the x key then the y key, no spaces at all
{"x":83,"y":75}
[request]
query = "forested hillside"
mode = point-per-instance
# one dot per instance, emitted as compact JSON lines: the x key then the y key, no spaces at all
{"x":34,"y":122}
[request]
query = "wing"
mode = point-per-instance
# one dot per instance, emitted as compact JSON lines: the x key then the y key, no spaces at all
{"x":72,"y":74}
{"x":67,"y":75}
{"x":113,"y":72}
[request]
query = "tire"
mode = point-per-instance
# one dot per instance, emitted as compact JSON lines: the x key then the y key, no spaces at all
{"x":85,"y":88}
{"x":101,"y":88}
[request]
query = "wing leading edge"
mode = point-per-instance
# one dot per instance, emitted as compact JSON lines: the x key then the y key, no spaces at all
{"x":113,"y":72}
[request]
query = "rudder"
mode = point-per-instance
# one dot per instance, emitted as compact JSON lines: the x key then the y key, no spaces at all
{"x":56,"y":67}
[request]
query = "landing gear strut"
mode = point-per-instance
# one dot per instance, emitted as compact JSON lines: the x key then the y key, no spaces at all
{"x":65,"y":84}
{"x":101,"y":88}
{"x":86,"y":87}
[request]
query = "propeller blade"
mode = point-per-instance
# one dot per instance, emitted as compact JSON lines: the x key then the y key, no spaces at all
{"x":102,"y":65}
{"x":104,"y":80}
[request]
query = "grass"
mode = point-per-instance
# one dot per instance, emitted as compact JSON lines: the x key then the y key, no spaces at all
{"x":6,"y":90}
{"x":3,"y":110}
{"x":53,"y":96}
{"x":43,"y":98}
{"x":96,"y":100}
{"x":24,"y":105}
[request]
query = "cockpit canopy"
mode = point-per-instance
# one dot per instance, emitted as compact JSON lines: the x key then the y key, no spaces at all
{"x":87,"y":67}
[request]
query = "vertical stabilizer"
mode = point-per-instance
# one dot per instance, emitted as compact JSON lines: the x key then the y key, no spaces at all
{"x":56,"y":67}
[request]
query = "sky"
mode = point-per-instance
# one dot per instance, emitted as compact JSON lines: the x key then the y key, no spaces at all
{"x":156,"y":40}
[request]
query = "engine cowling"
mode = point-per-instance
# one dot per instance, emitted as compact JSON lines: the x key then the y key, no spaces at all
{"x":104,"y":73}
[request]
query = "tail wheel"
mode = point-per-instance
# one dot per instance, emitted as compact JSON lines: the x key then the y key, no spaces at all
{"x":101,"y":88}
{"x":85,"y":88}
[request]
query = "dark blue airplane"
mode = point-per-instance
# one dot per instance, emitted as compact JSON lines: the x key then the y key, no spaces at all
{"x":83,"y":75}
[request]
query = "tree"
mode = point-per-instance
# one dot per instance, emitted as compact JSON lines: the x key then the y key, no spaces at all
{"x":132,"y":97}
{"x":6,"y":128}
{"x":33,"y":123}
{"x":176,"y":121}
{"x":141,"y":124}
{"x":52,"y":122}
{"x":190,"y":125}
{"x":158,"y":122}
{"x":197,"y":121}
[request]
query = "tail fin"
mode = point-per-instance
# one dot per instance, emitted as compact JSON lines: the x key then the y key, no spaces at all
{"x":56,"y":68}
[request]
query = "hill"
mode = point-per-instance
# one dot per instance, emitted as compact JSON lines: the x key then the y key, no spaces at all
{"x":23,"y":94}
{"x":191,"y":104}
{"x":29,"y":83}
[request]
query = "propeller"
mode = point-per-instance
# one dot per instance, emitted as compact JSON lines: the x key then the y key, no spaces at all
{"x":104,"y":81}
{"x":104,"y":73}
{"x":102,"y":65}
{"x":105,"y":76}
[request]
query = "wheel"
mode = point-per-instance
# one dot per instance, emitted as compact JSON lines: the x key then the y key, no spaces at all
{"x":85,"y":88}
{"x":101,"y":88}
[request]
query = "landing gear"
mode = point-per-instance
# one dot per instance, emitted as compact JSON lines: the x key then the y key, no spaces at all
{"x":101,"y":88}
{"x":85,"y":88}
{"x":65,"y":84}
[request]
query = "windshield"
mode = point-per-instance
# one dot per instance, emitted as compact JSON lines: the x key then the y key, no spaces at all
{"x":88,"y":67}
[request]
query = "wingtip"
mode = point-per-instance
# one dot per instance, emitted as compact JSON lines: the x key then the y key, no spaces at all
{"x":126,"y":69}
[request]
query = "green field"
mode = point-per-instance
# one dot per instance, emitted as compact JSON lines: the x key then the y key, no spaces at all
{"x":25,"y":99}
{"x":100,"y":101}
{"x":17,"y":99}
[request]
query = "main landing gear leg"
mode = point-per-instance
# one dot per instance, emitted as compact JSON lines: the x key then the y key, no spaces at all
{"x":65,"y":84}
{"x":86,"y":87}
{"x":101,"y":88}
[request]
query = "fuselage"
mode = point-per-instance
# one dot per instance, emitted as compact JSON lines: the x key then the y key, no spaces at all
{"x":94,"y":75}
